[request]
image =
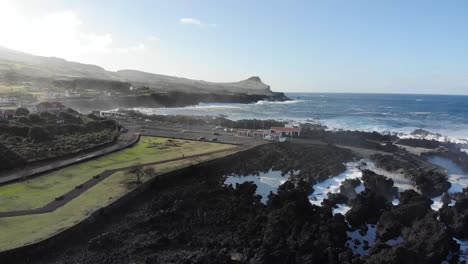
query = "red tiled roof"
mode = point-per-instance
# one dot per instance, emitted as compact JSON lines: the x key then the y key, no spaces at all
{"x":286,"y":129}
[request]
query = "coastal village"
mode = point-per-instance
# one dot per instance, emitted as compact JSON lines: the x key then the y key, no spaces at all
{"x":278,"y":134}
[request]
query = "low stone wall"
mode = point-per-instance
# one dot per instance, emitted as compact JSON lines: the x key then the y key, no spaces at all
{"x":112,"y":210}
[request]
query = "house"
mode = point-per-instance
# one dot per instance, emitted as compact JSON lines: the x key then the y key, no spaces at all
{"x":292,"y":125}
{"x":244,"y":133}
{"x":260,"y":133}
{"x":31,"y":108}
{"x":71,"y":93}
{"x":287,"y":131}
{"x":7,"y":114}
{"x":112,"y":114}
{"x":9,"y":99}
{"x":53,"y":107}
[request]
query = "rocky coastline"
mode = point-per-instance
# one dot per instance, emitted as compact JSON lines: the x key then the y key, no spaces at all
{"x":167,"y":99}
{"x":199,"y":219}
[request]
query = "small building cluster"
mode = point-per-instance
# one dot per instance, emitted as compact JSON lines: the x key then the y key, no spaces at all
{"x":112,"y":114}
{"x":7,"y":114}
{"x":273,"y":134}
{"x":51,"y":107}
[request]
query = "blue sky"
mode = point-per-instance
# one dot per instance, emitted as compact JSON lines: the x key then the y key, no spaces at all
{"x":304,"y":46}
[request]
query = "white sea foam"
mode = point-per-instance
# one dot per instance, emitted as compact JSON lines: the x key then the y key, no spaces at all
{"x":332,"y":185}
{"x":261,"y":102}
{"x":341,"y":209}
{"x":266,"y":182}
{"x":394,"y":241}
{"x":463,"y":250}
{"x":369,"y":236}
{"x":457,"y":178}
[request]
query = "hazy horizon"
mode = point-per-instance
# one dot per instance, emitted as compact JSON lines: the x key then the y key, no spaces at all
{"x":390,"y":47}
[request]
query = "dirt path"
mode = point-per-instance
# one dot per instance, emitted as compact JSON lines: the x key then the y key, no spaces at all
{"x":78,"y":190}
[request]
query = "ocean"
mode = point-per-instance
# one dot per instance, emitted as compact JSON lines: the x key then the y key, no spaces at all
{"x":397,"y":113}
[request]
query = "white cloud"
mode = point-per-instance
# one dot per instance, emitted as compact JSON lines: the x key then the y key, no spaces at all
{"x":192,"y":21}
{"x":196,"y":22}
{"x":64,"y":34}
{"x":59,"y":34}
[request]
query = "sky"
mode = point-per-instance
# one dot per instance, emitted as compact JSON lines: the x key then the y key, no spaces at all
{"x":294,"y":46}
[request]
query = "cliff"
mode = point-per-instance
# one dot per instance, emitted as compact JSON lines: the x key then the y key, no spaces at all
{"x":21,"y":69}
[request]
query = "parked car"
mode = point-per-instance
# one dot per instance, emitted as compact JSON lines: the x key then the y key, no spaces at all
{"x":219,"y":127}
{"x":213,"y":139}
{"x":202,"y":138}
{"x":216,"y":133}
{"x":123,"y":130}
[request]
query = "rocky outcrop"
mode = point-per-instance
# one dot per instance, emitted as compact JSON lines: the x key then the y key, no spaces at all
{"x":430,"y":179}
{"x":348,"y":188}
{"x":456,"y":217}
{"x":366,"y":208}
{"x":379,"y":184}
{"x":423,"y":238}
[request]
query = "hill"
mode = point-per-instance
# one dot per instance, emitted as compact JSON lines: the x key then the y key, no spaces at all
{"x":24,"y":70}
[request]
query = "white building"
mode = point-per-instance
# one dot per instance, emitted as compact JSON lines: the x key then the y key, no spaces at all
{"x":112,"y":114}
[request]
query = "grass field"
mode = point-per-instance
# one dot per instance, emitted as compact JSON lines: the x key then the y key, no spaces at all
{"x":11,"y":88}
{"x":24,"y":230}
{"x":39,"y":191}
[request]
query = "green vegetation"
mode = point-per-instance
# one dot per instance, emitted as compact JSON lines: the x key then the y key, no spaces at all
{"x":24,"y":230}
{"x":39,"y":191}
{"x":42,"y":136}
{"x":4,"y":89}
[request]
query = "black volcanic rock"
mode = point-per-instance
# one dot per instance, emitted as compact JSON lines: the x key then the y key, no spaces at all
{"x":425,"y":239}
{"x":430,"y":179}
{"x":379,"y":184}
{"x":456,"y":217}
{"x":333,"y":199}
{"x":366,"y":208}
{"x":412,"y":207}
{"x":348,"y":188}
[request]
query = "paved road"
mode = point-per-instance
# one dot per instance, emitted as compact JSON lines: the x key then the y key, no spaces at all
{"x":362,"y":152}
{"x":124,"y":141}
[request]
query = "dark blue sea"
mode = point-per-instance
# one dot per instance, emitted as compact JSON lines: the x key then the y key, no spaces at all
{"x":443,"y":114}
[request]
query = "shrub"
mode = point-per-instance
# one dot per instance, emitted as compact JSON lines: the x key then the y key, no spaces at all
{"x":14,"y":130}
{"x":38,"y":134}
{"x":47,"y":115}
{"x":36,"y":119}
{"x":22,"y":111}
{"x":24,"y":120}
{"x":96,"y":126}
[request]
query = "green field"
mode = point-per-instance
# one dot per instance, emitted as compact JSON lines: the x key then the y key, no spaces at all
{"x":39,"y":191}
{"x":11,"y":88}
{"x":23,"y":230}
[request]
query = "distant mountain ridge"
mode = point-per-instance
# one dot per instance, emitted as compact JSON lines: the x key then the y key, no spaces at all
{"x":17,"y":66}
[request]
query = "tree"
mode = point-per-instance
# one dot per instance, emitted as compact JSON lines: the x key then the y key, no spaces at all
{"x":24,"y":120}
{"x":38,"y":134}
{"x":139,"y":171}
{"x":35,"y":118}
{"x":22,"y":111}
